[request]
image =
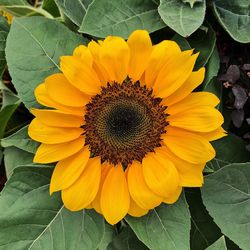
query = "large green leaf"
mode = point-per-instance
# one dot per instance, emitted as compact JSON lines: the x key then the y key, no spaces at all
{"x":230,"y":149}
{"x":4,"y":29}
{"x":74,"y":9}
{"x":31,"y":219}
{"x":220,"y":244}
{"x":47,"y":40}
{"x":226,"y":196}
{"x":203,"y":229}
{"x":181,"y":17}
{"x":126,"y":240}
{"x":21,"y":140}
{"x":234,"y":17}
{"x":15,"y":157}
{"x":22,"y":8}
{"x":166,"y":227}
{"x":121,"y":17}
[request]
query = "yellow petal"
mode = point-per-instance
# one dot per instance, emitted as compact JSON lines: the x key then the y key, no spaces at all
{"x":61,"y":91}
{"x":135,"y":210}
{"x":47,"y":153}
{"x":56,"y":118}
{"x":80,"y":75}
{"x":200,"y":119}
{"x":188,"y":146}
{"x":95,"y":48}
{"x":194,"y":100}
{"x":43,"y":98}
{"x":161,"y":53}
{"x":190,"y":174}
{"x":140,"y":46}
{"x":84,"y":53}
{"x":115,"y":196}
{"x":138,"y":189}
{"x":114,"y":56}
{"x":215,"y":134}
{"x":97,"y":201}
{"x":174,"y":197}
{"x":160,"y":174}
{"x":52,"y":135}
{"x":68,"y":170}
{"x":174,"y":74}
{"x":83,"y":191}
{"x":193,"y":81}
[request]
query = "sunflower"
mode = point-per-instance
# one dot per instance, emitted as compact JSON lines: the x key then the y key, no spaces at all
{"x":123,"y":126}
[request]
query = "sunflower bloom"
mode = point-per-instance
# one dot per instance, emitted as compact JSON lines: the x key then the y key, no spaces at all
{"x":124,"y":127}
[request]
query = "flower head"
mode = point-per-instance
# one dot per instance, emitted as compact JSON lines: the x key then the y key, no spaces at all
{"x":123,"y":126}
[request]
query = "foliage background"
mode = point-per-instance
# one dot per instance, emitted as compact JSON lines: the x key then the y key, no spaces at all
{"x":215,"y":217}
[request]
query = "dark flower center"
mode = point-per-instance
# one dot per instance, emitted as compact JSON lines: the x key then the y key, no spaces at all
{"x":124,"y":122}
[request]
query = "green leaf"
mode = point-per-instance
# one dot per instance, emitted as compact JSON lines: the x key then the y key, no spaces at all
{"x":109,"y":233}
{"x":212,"y":69}
{"x":10,"y":102}
{"x":121,"y":17}
{"x":203,"y":41}
{"x":4,"y":30}
{"x":226,"y":196}
{"x":234,"y":16}
{"x":32,"y":219}
{"x":74,"y":10}
{"x":181,"y":17}
{"x":30,"y":65}
{"x":51,"y":7}
{"x":182,"y":42}
{"x":22,"y":8}
{"x":21,"y":140}
{"x":126,"y":240}
{"x":15,"y":157}
{"x":166,"y":227}
{"x":211,"y":83}
{"x":203,"y":229}
{"x":220,"y":244}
